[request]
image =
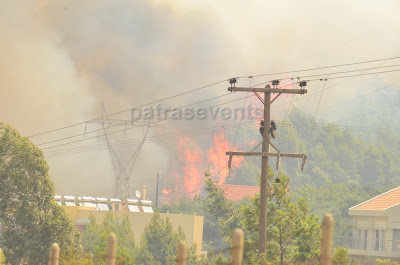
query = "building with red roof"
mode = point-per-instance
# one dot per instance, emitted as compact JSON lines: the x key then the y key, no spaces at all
{"x":239,"y":192}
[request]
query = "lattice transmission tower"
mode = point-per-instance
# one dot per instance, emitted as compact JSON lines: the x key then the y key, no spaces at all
{"x":122,"y":172}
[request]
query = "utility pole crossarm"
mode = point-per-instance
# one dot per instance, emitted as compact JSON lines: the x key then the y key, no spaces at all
{"x":266,"y":154}
{"x":267,"y":90}
{"x":266,"y":142}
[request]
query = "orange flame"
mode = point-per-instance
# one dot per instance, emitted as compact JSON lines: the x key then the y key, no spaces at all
{"x":164,"y":191}
{"x":218,"y":159}
{"x":192,"y":164}
{"x":192,"y":179}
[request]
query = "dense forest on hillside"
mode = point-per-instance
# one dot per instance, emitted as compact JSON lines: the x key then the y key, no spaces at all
{"x":336,"y":154}
{"x":345,"y":166}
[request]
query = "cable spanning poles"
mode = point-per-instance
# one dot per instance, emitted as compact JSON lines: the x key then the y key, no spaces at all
{"x":222,"y":81}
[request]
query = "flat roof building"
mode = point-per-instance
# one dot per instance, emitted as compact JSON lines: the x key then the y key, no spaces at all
{"x":139,"y":213}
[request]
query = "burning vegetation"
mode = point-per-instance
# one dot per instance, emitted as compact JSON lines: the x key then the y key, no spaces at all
{"x":193,"y":160}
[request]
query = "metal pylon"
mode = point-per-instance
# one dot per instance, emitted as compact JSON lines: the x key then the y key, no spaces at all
{"x":122,"y":173}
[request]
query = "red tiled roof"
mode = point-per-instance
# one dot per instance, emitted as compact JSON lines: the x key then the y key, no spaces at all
{"x":381,"y":202}
{"x":239,"y":192}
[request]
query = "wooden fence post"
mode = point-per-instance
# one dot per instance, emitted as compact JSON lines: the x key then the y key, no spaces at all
{"x":111,"y":249}
{"x":181,"y":254}
{"x":237,"y":247}
{"x":54,"y":255}
{"x":325,"y":257}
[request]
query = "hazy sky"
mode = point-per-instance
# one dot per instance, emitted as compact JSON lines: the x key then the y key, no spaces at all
{"x":59,"y":60}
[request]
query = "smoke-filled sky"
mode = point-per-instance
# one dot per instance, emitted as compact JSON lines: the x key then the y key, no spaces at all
{"x":59,"y":60}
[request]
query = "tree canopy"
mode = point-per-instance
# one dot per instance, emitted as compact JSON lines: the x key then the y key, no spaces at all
{"x":159,"y":242}
{"x":95,"y":237}
{"x":293,"y":233}
{"x":29,"y":215}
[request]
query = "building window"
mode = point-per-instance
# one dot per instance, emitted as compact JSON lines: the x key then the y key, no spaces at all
{"x":396,"y":240}
{"x":379,"y":240}
{"x":361,"y":241}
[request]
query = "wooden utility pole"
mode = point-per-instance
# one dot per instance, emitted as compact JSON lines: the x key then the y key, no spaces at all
{"x":158,"y":179}
{"x":262,"y":232}
{"x":262,"y":239}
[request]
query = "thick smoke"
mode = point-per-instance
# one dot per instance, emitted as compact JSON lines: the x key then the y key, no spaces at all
{"x":60,"y":59}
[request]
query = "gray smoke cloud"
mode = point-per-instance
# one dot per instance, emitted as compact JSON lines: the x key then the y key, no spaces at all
{"x":60,"y":59}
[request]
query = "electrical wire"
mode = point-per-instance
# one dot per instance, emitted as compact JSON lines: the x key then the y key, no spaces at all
{"x":151,"y":139}
{"x":214,"y":98}
{"x":315,"y":117}
{"x":141,"y":106}
{"x":212,"y":84}
{"x":308,"y":80}
{"x":112,"y":126}
{"x":211,"y":130}
{"x":354,"y":129}
{"x":351,"y":71}
{"x":198,"y":103}
{"x":358,"y":97}
{"x":85,"y":139}
{"x":324,"y":67}
{"x":185,"y":106}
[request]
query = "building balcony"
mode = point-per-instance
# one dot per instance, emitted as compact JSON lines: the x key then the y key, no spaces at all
{"x":370,"y":247}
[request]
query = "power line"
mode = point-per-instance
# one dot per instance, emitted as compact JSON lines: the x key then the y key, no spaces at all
{"x":210,"y":130}
{"x":219,"y":104}
{"x":386,"y":107}
{"x":101,"y":129}
{"x":151,"y":140}
{"x":341,"y":82}
{"x":354,"y":98}
{"x":122,"y":111}
{"x":212,"y":84}
{"x":226,"y":102}
{"x":154,"y":122}
{"x":125,"y":128}
{"x":323,"y":67}
{"x":352,"y":71}
{"x":346,"y":76}
{"x":328,"y":87}
{"x":381,"y":131}
{"x":315,"y":116}
{"x":354,"y":129}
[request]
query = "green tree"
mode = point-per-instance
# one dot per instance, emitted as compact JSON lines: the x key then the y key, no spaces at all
{"x":226,"y":214}
{"x":216,"y":260}
{"x":340,"y":257}
{"x":95,"y":237}
{"x":2,"y":258}
{"x":336,"y":198}
{"x":292,"y":233}
{"x":158,"y":243}
{"x":387,"y":262}
{"x":197,"y":205}
{"x":30,"y":217}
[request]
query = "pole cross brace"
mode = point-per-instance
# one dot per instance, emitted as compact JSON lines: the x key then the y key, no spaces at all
{"x":303,"y":156}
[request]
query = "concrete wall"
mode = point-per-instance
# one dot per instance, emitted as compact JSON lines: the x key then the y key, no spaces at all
{"x":192,"y":225}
